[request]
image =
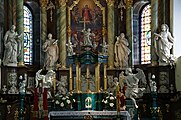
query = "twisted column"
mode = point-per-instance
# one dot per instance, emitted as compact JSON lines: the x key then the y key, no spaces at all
{"x":154,"y":26}
{"x":43,"y":25}
{"x":129,"y":26}
{"x":20,"y":30}
{"x":110,"y":31}
{"x":62,"y":32}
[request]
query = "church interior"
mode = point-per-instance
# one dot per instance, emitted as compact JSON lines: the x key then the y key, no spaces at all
{"x":90,"y":59}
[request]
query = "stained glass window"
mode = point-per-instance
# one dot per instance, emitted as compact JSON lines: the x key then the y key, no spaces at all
{"x":28,"y":36}
{"x":146,"y":35}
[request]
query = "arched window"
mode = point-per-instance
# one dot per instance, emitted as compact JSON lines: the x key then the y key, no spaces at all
{"x":28,"y":36}
{"x":146,"y":35}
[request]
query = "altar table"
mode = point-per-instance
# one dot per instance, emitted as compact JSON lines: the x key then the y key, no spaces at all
{"x":95,"y":115}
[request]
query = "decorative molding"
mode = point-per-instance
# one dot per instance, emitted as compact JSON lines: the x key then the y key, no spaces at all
{"x":110,"y":2}
{"x":129,"y":3}
{"x":62,"y":2}
{"x":43,"y":3}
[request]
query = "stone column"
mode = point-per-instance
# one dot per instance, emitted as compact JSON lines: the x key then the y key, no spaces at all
{"x":43,"y":26}
{"x":1,"y":27}
{"x":20,"y":30}
{"x":154,"y":26}
{"x":110,"y":31}
{"x":129,"y":27}
{"x":62,"y":33}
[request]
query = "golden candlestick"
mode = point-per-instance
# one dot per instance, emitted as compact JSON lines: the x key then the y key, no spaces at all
{"x":54,"y":85}
{"x":77,"y":77}
{"x":80,"y":83}
{"x":98,"y":77}
{"x":105,"y":77}
{"x":70,"y":77}
{"x":88,"y":78}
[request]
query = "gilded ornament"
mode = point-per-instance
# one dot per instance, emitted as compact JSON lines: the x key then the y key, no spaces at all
{"x":69,"y":31}
{"x":43,"y":3}
{"x":129,"y":3}
{"x":103,"y":30}
{"x":62,"y":2}
{"x":110,"y":2}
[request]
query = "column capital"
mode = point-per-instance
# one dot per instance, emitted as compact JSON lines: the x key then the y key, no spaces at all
{"x":43,"y":3}
{"x":129,"y":3}
{"x":62,"y":2}
{"x":110,"y":2}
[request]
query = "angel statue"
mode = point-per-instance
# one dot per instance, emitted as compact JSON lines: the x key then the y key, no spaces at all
{"x":163,"y":45}
{"x":132,"y":80}
{"x":45,"y":81}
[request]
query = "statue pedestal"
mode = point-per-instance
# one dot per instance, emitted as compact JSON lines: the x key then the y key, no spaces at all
{"x":130,"y":107}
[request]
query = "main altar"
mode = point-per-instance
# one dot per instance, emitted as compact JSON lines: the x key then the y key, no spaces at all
{"x":87,"y":59}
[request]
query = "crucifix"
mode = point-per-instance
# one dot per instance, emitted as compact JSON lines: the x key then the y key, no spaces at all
{"x":84,"y":21}
{"x":51,"y":6}
{"x":122,"y":6}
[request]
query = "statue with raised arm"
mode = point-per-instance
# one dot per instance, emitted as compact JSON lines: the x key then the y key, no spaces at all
{"x":132,"y":90}
{"x":70,"y":50}
{"x":121,"y":51}
{"x":163,"y":45}
{"x":88,"y":37}
{"x":52,"y":52}
{"x":11,"y":47}
{"x":104,"y":48}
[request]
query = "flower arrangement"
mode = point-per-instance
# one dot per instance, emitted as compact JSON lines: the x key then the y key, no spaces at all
{"x":64,"y":101}
{"x":109,"y":101}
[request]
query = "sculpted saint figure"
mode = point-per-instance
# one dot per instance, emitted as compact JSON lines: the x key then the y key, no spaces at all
{"x":70,"y":46}
{"x":163,"y":45}
{"x":11,"y":47}
{"x":121,"y":51}
{"x":88,"y":37}
{"x":52,"y":52}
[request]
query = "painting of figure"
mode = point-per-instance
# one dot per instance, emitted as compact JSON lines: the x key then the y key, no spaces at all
{"x":86,"y":15}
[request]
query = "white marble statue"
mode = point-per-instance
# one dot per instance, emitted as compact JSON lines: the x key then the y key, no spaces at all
{"x":153,"y":86}
{"x":121,"y":51}
{"x":104,"y":48}
{"x":22,"y":87}
{"x":62,"y":86}
{"x":11,"y":47}
{"x":163,"y":45}
{"x":47,"y":80}
{"x":132,"y":80}
{"x":88,"y":37}
{"x":52,"y":52}
{"x":70,"y":51}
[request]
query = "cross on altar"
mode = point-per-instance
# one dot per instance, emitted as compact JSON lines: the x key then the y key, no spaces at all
{"x":84,"y":21}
